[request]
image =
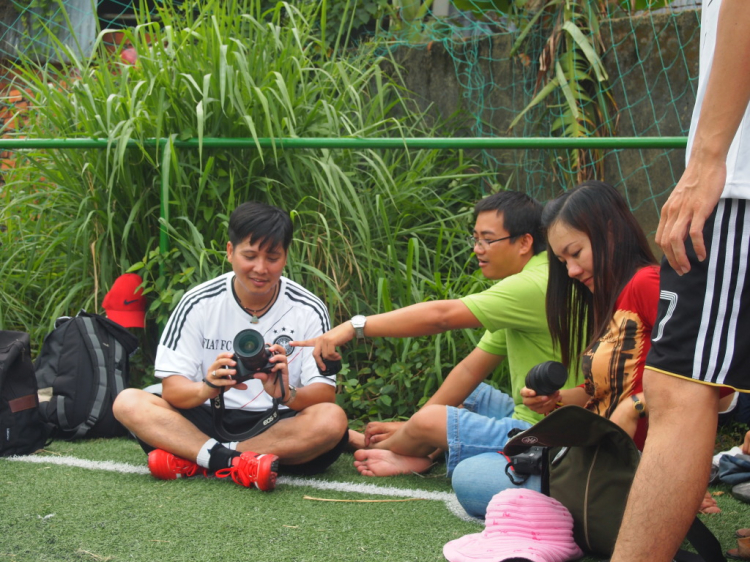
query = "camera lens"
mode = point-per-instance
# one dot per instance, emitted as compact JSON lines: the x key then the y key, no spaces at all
{"x":248,"y":343}
{"x":547,"y":378}
{"x":251,"y":354}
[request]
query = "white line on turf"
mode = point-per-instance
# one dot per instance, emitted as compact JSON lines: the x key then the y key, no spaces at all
{"x":372,"y":489}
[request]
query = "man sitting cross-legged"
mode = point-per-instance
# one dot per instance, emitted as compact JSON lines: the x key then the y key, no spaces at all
{"x":195,"y":359}
{"x":508,"y":243}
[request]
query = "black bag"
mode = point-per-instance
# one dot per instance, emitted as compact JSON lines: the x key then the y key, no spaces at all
{"x":23,"y":431}
{"x":85,"y":361}
{"x":591,"y":463}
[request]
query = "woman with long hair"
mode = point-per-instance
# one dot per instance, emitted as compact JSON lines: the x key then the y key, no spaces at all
{"x":602,"y":296}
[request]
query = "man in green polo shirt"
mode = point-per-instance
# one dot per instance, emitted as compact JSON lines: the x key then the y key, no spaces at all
{"x":509,"y":245}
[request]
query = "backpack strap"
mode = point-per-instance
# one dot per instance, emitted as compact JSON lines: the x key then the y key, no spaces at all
{"x":704,"y":542}
{"x":118,"y":371}
{"x":98,"y":360}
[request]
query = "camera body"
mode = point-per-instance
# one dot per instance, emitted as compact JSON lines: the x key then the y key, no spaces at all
{"x":529,"y":462}
{"x":253,"y":355}
{"x":547,"y":378}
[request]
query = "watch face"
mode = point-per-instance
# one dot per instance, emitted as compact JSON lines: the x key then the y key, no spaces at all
{"x":358,"y":321}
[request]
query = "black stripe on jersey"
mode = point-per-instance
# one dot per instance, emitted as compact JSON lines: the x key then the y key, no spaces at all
{"x":317,"y":307}
{"x":298,"y":294}
{"x":179,"y":316}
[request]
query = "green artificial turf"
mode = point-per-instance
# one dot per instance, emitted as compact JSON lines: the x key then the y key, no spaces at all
{"x":57,"y":513}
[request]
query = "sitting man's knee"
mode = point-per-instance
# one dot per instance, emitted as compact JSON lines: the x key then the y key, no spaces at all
{"x":127,"y":403}
{"x":327,"y":419}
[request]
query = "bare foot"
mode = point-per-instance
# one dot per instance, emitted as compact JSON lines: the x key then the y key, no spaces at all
{"x":379,"y":462}
{"x":709,"y":505}
{"x":356,"y":440}
{"x":375,"y":432}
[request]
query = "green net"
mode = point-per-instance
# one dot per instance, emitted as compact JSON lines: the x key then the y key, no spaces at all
{"x":640,"y":82}
{"x":575,"y":68}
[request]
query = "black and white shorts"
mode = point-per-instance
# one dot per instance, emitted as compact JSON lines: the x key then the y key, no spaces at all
{"x":702,"y":329}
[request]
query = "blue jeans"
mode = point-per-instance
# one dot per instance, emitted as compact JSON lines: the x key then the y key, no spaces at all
{"x":481,"y":426}
{"x":477,"y":479}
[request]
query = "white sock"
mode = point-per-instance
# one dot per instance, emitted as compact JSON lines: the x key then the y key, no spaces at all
{"x":204,"y":454}
{"x":232,"y":446}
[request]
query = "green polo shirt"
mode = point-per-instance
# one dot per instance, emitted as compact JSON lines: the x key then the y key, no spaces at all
{"x":512,"y":311}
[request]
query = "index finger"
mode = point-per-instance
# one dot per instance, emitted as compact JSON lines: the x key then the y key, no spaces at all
{"x":304,"y":343}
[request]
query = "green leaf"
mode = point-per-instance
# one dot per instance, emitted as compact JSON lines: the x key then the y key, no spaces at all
{"x":587,"y":48}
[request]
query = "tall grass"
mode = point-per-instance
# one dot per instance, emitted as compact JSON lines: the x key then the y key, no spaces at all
{"x":375,"y":230}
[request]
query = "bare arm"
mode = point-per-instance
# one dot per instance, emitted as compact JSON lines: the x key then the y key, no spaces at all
{"x":465,"y":377}
{"x":626,"y":416}
{"x":422,"y":319}
{"x":726,"y":99}
{"x":183,"y":393}
{"x":460,"y":382}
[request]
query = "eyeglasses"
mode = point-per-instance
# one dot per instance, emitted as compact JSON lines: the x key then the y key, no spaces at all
{"x":484,"y":243}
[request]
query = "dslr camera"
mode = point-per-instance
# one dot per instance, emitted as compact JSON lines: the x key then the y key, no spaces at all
{"x":252,"y":355}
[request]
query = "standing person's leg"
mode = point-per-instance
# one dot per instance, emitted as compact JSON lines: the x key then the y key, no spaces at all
{"x":698,"y":344}
{"x":674,"y":469}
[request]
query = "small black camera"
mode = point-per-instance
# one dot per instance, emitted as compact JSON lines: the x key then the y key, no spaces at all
{"x":252,"y":355}
{"x":530,"y":462}
{"x":547,"y":378}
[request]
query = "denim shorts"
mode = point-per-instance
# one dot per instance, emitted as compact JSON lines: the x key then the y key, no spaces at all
{"x":481,"y":426}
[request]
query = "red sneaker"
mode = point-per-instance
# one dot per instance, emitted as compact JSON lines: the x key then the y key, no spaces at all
{"x":252,"y":469}
{"x":166,"y":466}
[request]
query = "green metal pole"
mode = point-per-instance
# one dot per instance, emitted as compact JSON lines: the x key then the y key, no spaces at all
{"x":164,"y":201}
{"x":358,"y":143}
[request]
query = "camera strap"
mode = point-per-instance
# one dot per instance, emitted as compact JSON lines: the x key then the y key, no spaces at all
{"x":217,"y":412}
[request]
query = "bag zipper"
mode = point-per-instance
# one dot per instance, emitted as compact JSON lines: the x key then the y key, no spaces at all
{"x":586,"y":499}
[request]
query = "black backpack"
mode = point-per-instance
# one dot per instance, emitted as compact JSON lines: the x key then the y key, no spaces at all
{"x":23,"y":431}
{"x":589,"y":467}
{"x":85,"y":361}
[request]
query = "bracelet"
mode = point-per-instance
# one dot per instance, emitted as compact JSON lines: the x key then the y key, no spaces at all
{"x":557,"y":405}
{"x":211,"y":385}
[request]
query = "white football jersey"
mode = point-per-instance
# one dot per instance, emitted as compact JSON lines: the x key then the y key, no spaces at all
{"x":737,"y":185}
{"x":208,"y":318}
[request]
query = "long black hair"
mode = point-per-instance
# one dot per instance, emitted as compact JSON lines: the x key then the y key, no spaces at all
{"x":576,"y":316}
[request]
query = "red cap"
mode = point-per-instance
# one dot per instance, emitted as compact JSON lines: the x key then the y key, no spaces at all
{"x":124,"y":304}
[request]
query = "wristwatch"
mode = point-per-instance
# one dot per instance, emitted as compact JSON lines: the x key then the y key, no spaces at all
{"x":292,"y":395}
{"x":358,"y":322}
{"x":639,"y":407}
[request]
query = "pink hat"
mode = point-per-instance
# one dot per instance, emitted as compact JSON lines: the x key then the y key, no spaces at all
{"x":125,"y":303}
{"x":523,"y":524}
